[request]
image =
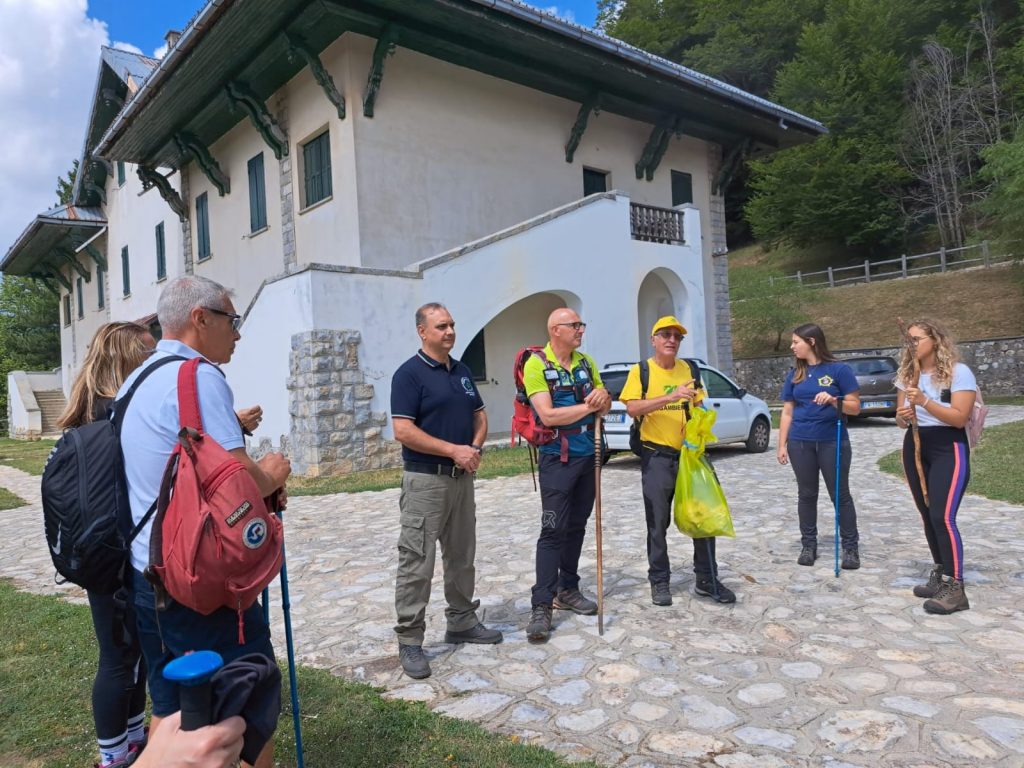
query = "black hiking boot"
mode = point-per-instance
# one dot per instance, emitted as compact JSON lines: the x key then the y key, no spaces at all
{"x":539,"y":628}
{"x":414,"y":663}
{"x":807,"y":556}
{"x":661,"y":594}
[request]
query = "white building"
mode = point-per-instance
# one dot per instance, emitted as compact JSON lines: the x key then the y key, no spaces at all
{"x":339,"y":164}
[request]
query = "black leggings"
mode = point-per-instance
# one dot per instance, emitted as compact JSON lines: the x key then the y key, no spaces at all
{"x":119,"y":690}
{"x":809,"y":458}
{"x":946,"y":460}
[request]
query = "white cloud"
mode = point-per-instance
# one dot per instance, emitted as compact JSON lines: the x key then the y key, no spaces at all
{"x":160,"y":52}
{"x":49,"y":57}
{"x":128,"y":47}
{"x":566,"y":15}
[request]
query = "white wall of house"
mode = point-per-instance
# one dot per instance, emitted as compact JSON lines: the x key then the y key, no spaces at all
{"x":239,"y":258}
{"x":508,"y":283}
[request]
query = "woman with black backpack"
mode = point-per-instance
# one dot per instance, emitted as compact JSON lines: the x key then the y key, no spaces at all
{"x":119,"y":689}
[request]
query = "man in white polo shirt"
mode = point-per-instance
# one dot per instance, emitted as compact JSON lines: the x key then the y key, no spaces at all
{"x":198,"y":320}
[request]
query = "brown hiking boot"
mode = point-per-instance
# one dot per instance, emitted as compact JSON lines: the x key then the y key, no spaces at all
{"x":573,"y":600}
{"x":932,"y":587}
{"x":949,"y":599}
{"x":539,"y":628}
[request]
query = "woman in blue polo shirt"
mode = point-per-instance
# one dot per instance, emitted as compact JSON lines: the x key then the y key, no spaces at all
{"x":815,"y":392}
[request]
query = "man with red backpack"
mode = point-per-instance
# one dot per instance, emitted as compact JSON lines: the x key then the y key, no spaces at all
{"x":198,"y":321}
{"x":567,"y":395}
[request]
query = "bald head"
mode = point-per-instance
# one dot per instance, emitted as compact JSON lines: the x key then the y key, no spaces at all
{"x":561,"y":315}
{"x":562,"y":333}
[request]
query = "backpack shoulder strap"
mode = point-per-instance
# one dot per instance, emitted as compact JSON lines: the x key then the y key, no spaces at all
{"x":120,"y":406}
{"x":695,"y":372}
{"x":189,"y":414}
{"x":645,"y":378}
{"x":548,"y":366}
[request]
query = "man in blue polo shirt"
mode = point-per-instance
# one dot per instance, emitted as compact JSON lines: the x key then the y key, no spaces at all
{"x":438,"y":416}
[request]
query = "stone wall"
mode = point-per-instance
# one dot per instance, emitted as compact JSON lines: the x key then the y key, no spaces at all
{"x":998,"y":364}
{"x":333,"y":430}
{"x":720,"y":264}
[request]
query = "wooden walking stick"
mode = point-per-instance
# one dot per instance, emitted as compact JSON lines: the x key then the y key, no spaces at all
{"x":598,"y":456}
{"x":915,"y":381}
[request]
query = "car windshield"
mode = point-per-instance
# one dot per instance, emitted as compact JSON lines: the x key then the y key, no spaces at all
{"x":875,"y":367}
{"x":614,"y":381}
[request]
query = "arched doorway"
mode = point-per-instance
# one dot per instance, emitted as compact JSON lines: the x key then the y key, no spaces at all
{"x":655,"y":299}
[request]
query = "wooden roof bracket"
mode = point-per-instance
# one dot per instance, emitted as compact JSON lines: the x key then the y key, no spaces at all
{"x":94,"y":252}
{"x":732,"y":161}
{"x":45,"y":280}
{"x":189,"y":145}
{"x":385,"y":47}
{"x":656,"y":146}
{"x":69,"y":257}
{"x":297,"y":47}
{"x":591,"y":104}
{"x":150,"y":177}
{"x":91,"y":186}
{"x":241,"y":95}
{"x":58,"y":276}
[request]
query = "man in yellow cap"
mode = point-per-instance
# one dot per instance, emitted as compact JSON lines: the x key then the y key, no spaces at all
{"x":663,"y":405}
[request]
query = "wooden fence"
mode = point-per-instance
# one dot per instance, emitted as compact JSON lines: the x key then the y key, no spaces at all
{"x":942,"y":260}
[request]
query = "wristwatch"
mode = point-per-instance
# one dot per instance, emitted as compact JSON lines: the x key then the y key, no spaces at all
{"x":478,"y":448}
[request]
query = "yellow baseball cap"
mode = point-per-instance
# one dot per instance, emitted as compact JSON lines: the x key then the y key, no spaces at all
{"x":668,"y":321}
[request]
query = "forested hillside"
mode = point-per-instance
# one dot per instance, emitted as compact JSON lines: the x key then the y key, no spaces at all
{"x":922,"y":99}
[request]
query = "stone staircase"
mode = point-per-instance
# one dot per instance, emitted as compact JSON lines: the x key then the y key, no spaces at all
{"x":51,"y":406}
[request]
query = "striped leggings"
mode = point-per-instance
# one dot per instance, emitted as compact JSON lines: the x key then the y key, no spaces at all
{"x":946,"y":459}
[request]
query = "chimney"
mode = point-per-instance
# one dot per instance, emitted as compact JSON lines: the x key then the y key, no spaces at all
{"x":171,"y":38}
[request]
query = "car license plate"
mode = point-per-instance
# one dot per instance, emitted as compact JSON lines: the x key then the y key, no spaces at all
{"x":615,"y":418}
{"x":879,"y":404}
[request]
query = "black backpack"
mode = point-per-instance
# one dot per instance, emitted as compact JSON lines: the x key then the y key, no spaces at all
{"x":645,"y":379}
{"x":85,"y":500}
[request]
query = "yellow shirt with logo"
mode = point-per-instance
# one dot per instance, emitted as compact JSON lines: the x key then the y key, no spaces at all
{"x":665,"y":425}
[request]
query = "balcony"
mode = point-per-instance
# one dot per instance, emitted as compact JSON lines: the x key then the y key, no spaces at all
{"x":651,"y":224}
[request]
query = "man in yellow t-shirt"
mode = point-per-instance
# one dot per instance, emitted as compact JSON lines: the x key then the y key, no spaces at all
{"x":672,"y":390}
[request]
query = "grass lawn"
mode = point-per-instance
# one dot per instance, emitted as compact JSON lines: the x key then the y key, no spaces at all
{"x":10,"y":501}
{"x":47,"y":662}
{"x":497,"y":462}
{"x":26,"y":455}
{"x":995,"y":464}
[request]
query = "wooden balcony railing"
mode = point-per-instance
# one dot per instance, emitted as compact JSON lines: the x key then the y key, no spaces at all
{"x":656,"y":225}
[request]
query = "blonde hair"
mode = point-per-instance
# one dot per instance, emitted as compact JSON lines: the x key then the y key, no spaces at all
{"x":115,"y":351}
{"x":946,"y":355}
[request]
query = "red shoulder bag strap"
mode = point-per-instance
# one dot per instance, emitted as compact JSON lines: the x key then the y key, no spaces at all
{"x":188,"y":395}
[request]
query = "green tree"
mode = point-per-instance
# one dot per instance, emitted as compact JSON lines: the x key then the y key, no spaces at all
{"x":66,"y":185}
{"x":763,"y":311}
{"x":1004,"y":168}
{"x":29,"y":331}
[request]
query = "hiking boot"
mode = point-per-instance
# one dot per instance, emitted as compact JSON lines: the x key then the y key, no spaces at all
{"x":948,"y":599}
{"x":478,"y":634}
{"x":413,"y":661}
{"x":573,"y":600}
{"x":539,"y":628}
{"x":708,"y":586}
{"x":851,"y":559}
{"x":660,"y":593}
{"x":807,"y":556}
{"x":932,"y":587}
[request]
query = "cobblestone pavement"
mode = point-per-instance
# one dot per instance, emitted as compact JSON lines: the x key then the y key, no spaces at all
{"x":806,"y":669}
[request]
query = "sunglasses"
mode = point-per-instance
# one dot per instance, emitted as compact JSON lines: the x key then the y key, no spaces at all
{"x":675,"y":335}
{"x":236,"y":320}
{"x":577,"y":326}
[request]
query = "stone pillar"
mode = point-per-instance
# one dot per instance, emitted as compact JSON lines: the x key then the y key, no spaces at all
{"x":720,"y":262}
{"x":186,"y":225}
{"x":334,"y":431}
{"x":285,"y":165}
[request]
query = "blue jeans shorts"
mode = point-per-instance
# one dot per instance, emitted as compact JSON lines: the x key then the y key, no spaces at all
{"x":179,"y":630}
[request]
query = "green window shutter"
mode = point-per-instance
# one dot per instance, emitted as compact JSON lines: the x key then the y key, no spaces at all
{"x":203,"y":226}
{"x":79,"y":299}
{"x":67,"y":309}
{"x":126,"y":277}
{"x":316,"y":157}
{"x":120,"y":173}
{"x":161,"y":256}
{"x":101,"y":299}
{"x":594,"y":181}
{"x":257,"y":194}
{"x":682,"y":188}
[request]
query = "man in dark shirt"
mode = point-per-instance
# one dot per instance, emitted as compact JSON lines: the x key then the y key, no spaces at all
{"x":438,"y":416}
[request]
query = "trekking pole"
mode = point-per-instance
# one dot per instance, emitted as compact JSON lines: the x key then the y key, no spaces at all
{"x":292,"y":682}
{"x":598,"y":456}
{"x":192,"y":673}
{"x":839,"y":436}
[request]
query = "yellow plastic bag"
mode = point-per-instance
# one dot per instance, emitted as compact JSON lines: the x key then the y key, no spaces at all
{"x":699,"y":506}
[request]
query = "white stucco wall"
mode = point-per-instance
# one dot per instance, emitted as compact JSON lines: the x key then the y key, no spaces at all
{"x":559,"y":257}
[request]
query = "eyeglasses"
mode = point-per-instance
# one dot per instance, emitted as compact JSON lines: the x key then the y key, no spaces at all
{"x":670,"y":335}
{"x":577,"y":326}
{"x":918,"y":339}
{"x":236,"y":320}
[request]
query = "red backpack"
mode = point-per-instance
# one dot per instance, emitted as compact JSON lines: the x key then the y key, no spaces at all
{"x":525,"y":421}
{"x":215,"y":542}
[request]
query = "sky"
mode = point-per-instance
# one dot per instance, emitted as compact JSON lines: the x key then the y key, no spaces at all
{"x":49,"y":59}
